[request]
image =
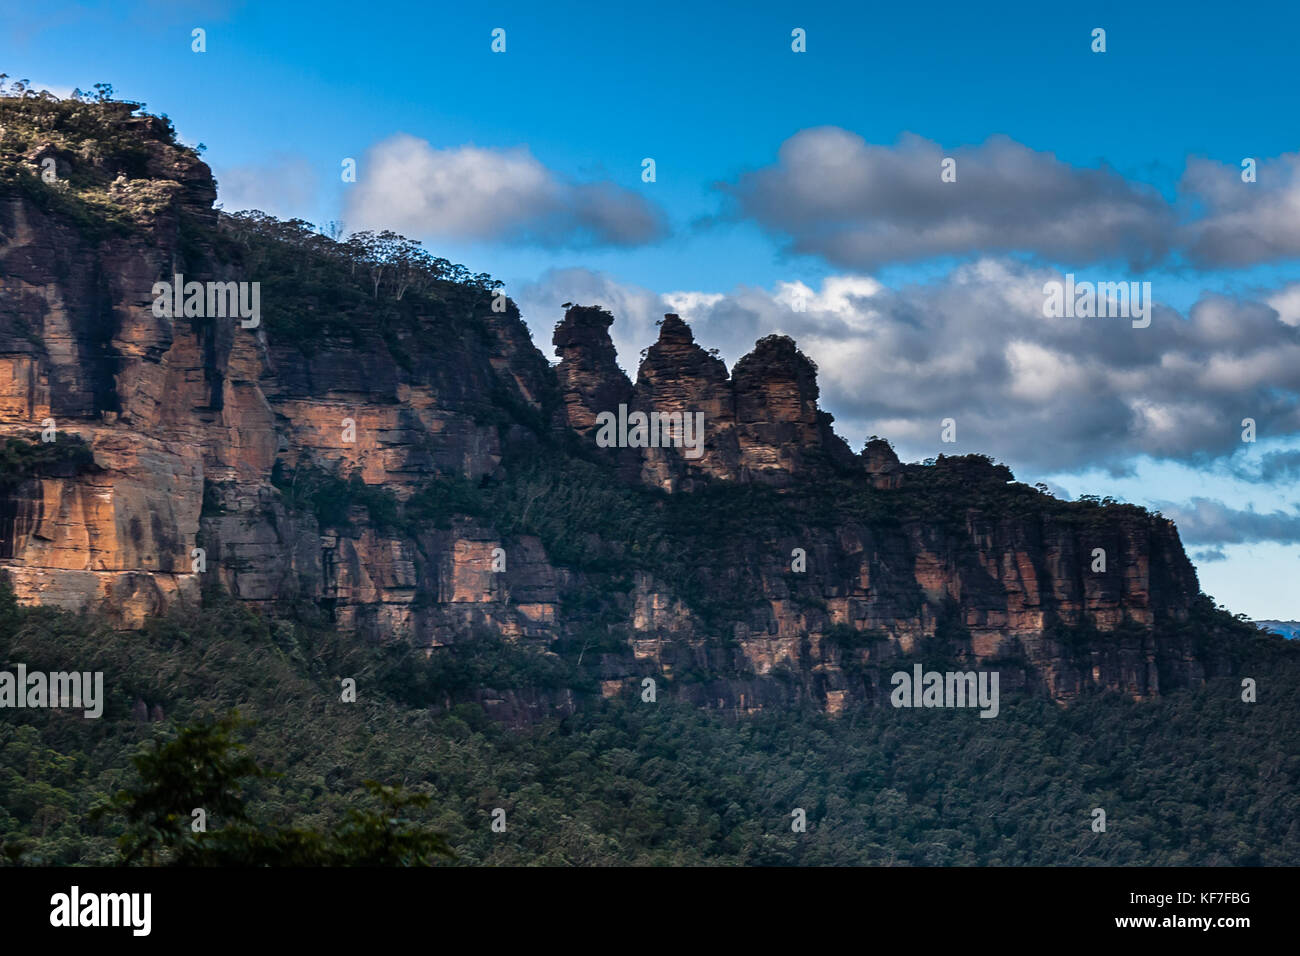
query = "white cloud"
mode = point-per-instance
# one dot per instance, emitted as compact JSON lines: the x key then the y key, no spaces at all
{"x":1045,"y":394}
{"x":1287,"y":302}
{"x":285,"y":186}
{"x":859,"y":205}
{"x":1244,"y":223}
{"x":470,"y":193}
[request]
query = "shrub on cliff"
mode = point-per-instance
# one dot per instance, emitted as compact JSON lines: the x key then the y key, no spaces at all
{"x":22,"y":458}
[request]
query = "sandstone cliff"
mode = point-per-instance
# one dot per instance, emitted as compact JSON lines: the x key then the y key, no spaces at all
{"x":411,"y":466}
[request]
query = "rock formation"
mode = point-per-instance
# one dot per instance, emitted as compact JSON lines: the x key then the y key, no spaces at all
{"x":204,"y":438}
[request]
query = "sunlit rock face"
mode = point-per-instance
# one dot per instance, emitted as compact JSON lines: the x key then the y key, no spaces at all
{"x":202,"y":433}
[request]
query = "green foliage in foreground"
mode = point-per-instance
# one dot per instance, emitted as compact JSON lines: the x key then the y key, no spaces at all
{"x":203,"y":767}
{"x":1194,"y":778}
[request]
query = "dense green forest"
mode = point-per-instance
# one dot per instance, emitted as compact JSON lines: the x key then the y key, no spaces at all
{"x":1196,"y":777}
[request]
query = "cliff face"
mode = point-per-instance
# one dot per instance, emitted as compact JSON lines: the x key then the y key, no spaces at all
{"x":214,"y":447}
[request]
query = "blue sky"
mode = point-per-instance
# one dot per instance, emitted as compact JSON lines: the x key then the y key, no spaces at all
{"x":1156,"y":126}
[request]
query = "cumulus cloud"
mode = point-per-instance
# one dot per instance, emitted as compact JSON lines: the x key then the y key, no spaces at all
{"x":284,"y":186}
{"x":1051,"y":393}
{"x":635,"y":310}
{"x":1243,"y":223}
{"x":469,"y":193}
{"x":1286,"y":301}
{"x":1206,"y":521}
{"x":1209,"y":556}
{"x":1047,"y":394}
{"x":859,"y":205}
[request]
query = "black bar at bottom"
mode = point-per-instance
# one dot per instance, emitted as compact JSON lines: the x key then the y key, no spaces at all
{"x":921,"y":907}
